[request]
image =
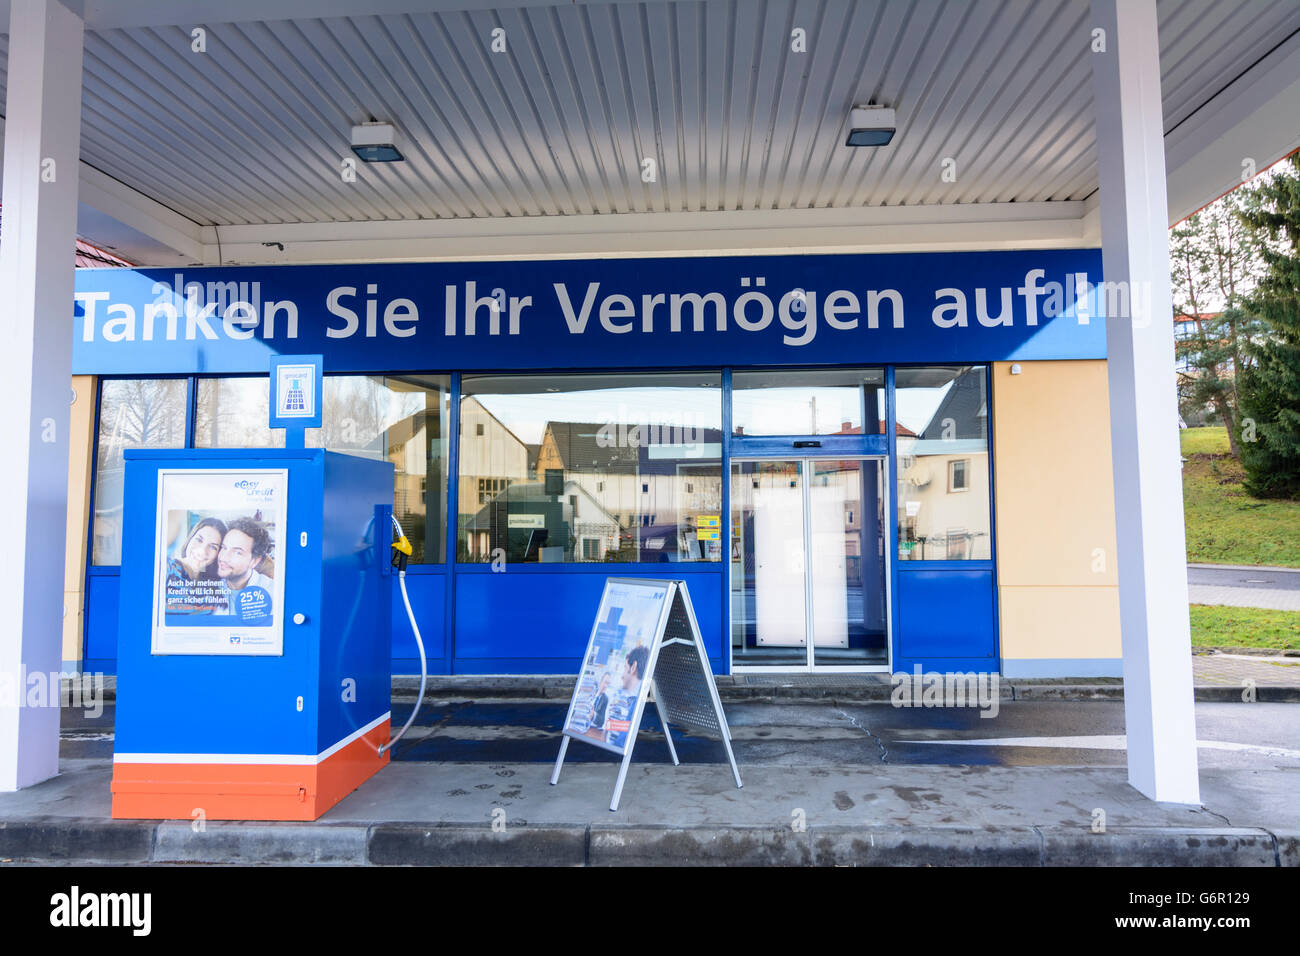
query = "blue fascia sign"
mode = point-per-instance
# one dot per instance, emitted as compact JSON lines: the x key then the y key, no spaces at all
{"x":595,"y":313}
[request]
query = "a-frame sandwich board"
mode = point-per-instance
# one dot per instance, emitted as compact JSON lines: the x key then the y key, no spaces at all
{"x":645,"y":638}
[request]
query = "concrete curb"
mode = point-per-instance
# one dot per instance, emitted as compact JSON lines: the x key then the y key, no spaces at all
{"x":1243,"y":567}
{"x":60,"y":840}
{"x":258,"y":843}
{"x":1163,"y":846}
{"x":1246,"y":651}
{"x":476,"y":845}
{"x":1228,"y":693}
{"x":63,"y":840}
{"x":1288,"y":847}
{"x":1067,"y":691}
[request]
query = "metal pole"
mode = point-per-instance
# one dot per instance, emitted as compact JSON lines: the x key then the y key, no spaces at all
{"x":663,"y":719}
{"x":622,"y":776}
{"x":559,"y":761}
{"x":726,"y":742}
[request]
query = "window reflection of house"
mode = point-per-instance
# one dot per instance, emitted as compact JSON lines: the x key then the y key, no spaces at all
{"x":641,"y":476}
{"x":588,"y":455}
{"x":943,"y":471}
{"x":527,"y":524}
{"x":407,"y":445}
{"x":400,"y":419}
{"x":601,"y":492}
{"x":615,"y":474}
{"x":492,"y":459}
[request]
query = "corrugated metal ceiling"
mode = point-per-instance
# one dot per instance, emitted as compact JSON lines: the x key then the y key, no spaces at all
{"x":254,"y":130}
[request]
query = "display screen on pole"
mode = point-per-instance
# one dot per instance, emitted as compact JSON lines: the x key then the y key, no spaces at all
{"x":296,"y":384}
{"x":218,"y":575}
{"x":613,"y":675}
{"x":295,"y":391}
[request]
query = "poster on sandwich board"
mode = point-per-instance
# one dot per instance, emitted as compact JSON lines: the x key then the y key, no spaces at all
{"x":612,"y":680}
{"x":217,"y":586}
{"x":645,"y":642}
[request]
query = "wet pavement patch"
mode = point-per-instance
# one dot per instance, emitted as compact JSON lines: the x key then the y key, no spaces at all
{"x":806,"y":735}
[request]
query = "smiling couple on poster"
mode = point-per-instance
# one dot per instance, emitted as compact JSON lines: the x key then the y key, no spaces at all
{"x":217,"y":570}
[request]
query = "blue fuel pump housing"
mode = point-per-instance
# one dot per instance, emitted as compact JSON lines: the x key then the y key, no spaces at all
{"x":254,"y":643}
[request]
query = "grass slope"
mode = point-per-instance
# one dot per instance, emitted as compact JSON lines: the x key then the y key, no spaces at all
{"x":1244,"y":627}
{"x":1224,"y":524}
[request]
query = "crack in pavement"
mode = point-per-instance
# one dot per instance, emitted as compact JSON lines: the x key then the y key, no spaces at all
{"x":1212,"y":813}
{"x":884,"y":753}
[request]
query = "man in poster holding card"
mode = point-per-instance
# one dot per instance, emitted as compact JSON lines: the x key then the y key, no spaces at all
{"x":620,"y":716}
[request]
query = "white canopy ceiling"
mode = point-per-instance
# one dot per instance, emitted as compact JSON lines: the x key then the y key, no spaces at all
{"x":551,"y":137}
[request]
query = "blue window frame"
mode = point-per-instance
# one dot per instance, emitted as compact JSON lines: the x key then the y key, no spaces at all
{"x":588,"y":553}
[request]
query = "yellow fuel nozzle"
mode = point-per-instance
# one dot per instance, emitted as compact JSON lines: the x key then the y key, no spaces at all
{"x":403,"y":546}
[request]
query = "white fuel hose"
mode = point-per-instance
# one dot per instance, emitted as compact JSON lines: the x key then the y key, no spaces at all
{"x":424,"y":664}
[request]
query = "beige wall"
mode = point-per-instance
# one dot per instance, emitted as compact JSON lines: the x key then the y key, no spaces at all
{"x":1057,"y":589}
{"x":81,"y":442}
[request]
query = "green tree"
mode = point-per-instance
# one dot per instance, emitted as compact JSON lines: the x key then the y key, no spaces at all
{"x":1214,"y":261}
{"x":1270,"y":389}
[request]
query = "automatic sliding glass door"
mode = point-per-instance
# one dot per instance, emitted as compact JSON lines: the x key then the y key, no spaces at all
{"x":769,"y":610}
{"x":808,"y":583}
{"x":847,"y":570}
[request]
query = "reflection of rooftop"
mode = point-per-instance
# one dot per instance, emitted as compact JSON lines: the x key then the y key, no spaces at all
{"x":581,"y":447}
{"x":470,"y":399}
{"x":405,"y":429}
{"x":962,"y":406}
{"x":622,"y":448}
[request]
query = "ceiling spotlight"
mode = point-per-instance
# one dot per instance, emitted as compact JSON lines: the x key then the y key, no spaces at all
{"x":870,"y":126}
{"x":373,"y":143}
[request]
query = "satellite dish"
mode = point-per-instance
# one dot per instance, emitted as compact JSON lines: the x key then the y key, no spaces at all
{"x":919,"y":475}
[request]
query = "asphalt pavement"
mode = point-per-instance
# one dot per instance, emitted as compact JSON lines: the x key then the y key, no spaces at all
{"x":1243,"y":576}
{"x":1243,"y":586}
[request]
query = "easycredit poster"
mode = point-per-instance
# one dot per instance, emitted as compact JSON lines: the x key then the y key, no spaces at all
{"x":218,"y":581}
{"x":614,"y":671}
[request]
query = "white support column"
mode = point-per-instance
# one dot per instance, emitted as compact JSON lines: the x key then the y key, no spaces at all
{"x":1152,"y":562}
{"x":37,"y":242}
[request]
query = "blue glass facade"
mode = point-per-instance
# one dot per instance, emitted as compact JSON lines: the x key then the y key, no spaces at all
{"x":532,"y":613}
